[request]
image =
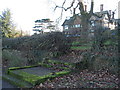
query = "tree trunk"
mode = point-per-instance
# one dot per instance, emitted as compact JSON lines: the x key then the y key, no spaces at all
{"x":85,"y":16}
{"x":84,"y":30}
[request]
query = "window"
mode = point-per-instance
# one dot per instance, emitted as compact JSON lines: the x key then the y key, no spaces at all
{"x":73,"y":26}
{"x":66,"y":26}
{"x":78,"y":25}
{"x":92,"y":23}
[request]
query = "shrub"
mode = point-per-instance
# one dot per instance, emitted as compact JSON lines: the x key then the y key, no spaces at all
{"x":38,"y":47}
{"x":12,"y":43}
{"x":106,"y":62}
{"x":85,"y":62}
{"x":100,"y":63}
{"x":14,"y":58}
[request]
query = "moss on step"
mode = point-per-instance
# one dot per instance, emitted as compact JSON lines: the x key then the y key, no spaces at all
{"x":59,"y":62}
{"x":16,"y":68}
{"x":35,"y":79}
{"x":43,"y":64}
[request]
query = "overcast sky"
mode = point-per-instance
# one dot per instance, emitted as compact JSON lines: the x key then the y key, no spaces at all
{"x":25,"y":12}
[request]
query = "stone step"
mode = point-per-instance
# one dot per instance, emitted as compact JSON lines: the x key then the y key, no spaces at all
{"x":29,"y":76}
{"x":36,"y":75}
{"x":16,"y":82}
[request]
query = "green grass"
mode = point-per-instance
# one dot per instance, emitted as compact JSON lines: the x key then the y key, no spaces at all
{"x":45,"y":65}
{"x":76,"y":43}
{"x":64,"y":63}
{"x":80,"y":43}
{"x":59,"y":62}
{"x":109,"y":42}
{"x":81,"y":48}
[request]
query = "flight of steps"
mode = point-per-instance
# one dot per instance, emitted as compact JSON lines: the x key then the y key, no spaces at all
{"x":16,"y":81}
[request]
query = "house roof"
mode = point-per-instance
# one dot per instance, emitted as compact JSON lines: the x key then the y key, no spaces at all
{"x":100,"y":16}
{"x":97,"y":16}
{"x":71,"y":20}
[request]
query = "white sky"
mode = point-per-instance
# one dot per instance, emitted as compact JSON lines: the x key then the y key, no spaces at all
{"x":25,"y":12}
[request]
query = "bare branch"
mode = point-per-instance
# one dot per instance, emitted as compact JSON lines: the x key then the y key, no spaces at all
{"x":81,"y":8}
{"x":77,"y":6}
{"x":71,"y":5}
{"x":64,"y":4}
{"x":96,"y":15}
{"x":63,"y":8}
{"x":70,"y":10}
{"x":58,"y":7}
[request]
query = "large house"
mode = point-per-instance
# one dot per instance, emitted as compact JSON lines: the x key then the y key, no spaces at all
{"x":103,"y":18}
{"x":72,"y":25}
{"x":44,"y":25}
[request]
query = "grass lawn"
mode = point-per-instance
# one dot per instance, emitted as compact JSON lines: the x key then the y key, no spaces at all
{"x":80,"y":43}
{"x":109,"y":42}
{"x":80,"y":48}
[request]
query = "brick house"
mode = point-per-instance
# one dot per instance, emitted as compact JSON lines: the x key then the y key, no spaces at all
{"x":72,"y":25}
{"x":102,"y":18}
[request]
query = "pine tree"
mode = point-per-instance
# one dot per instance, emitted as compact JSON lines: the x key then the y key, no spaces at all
{"x":6,"y":25}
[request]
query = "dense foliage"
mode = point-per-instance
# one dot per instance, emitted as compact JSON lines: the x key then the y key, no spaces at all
{"x":7,"y":27}
{"x":37,"y":47}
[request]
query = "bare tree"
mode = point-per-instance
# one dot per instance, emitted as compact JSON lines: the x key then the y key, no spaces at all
{"x":85,"y":16}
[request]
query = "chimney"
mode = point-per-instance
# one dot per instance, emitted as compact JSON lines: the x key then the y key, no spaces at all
{"x":85,"y":8}
{"x":81,"y":1}
{"x":73,"y":11}
{"x":101,"y":7}
{"x":110,"y":13}
{"x":113,"y":13}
